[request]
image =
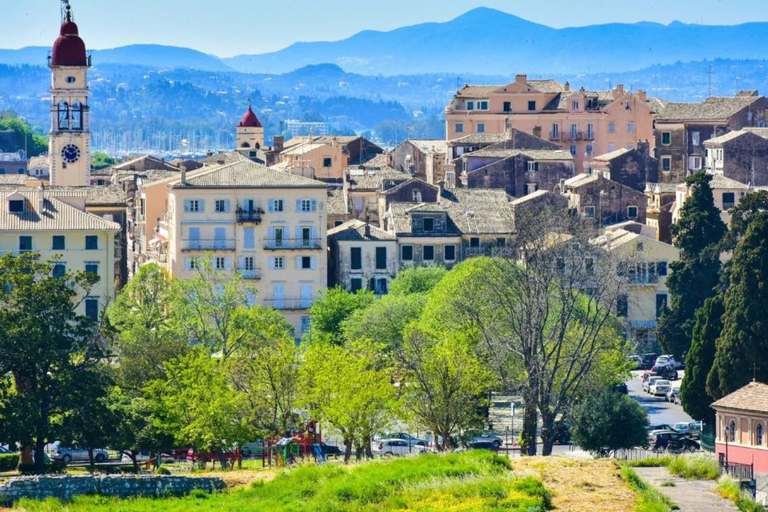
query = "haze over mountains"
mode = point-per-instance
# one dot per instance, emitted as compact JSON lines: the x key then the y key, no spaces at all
{"x":482,"y":41}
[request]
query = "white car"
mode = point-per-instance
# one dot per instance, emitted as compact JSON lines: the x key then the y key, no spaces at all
{"x":396,"y":447}
{"x":659,"y":387}
{"x":667,"y":360}
{"x":69,"y":454}
{"x":683,"y":427}
{"x":649,"y":382}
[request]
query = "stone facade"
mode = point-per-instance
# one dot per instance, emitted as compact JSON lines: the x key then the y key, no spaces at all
{"x":412,"y":191}
{"x":67,"y":487}
{"x":605,"y":200}
{"x":740,"y":156}
{"x":519,"y":175}
{"x":633,"y":168}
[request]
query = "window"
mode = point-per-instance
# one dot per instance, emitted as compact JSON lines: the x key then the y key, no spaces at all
{"x":611,"y":148}
{"x":92,"y":268}
{"x":449,"y":253}
{"x":248,"y":264}
{"x":732,"y":431}
{"x":482,"y":105}
{"x":507,"y":107}
{"x":381,"y":258}
{"x":729,"y":200}
{"x":356,"y":283}
{"x":381,"y":286}
{"x":429,"y":253}
{"x":459,"y":127}
{"x":193,"y":205}
{"x":590,"y":131}
{"x":276,"y":205}
{"x":611,"y":127}
{"x":92,"y":308}
{"x":356,"y":258}
{"x":533,"y":166}
{"x":661,"y":303}
{"x":696,"y":138}
{"x":59,"y":243}
{"x":277,"y":263}
{"x":630,"y":127}
{"x":277,"y":236}
{"x":666,"y":138}
{"x":575,"y":105}
{"x":25,"y":243}
{"x":358,"y":203}
{"x":429,"y":224}
{"x":306,"y":323}
{"x":71,"y":79}
{"x":666,"y":163}
{"x":16,"y":206}
{"x":622,"y":306}
{"x":222,"y":205}
{"x":416,"y":194}
{"x":406,"y":253}
{"x":474,"y":242}
{"x":573,"y":149}
{"x":480,"y":127}
{"x":530,"y":188}
{"x":632,"y":212}
{"x":589,"y":211}
{"x":531,"y":105}
{"x":305,"y":262}
{"x":327,"y":162}
{"x":306,"y":205}
{"x":574,"y":131}
{"x":661,"y":268}
{"x":694,"y":163}
{"x":193,"y":263}
{"x":555,"y":131}
{"x":470,"y":105}
{"x":759,"y":435}
{"x":249,"y":238}
{"x":59,"y":270}
{"x":589,"y":150}
{"x":220,"y":262}
{"x":640,"y":247}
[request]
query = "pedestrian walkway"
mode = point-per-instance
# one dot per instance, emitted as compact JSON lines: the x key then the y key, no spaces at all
{"x":689,"y":495}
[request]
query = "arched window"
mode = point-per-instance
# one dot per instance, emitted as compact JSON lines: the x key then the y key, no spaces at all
{"x":257,"y":146}
{"x":245,"y":145}
{"x":759,"y":435}
{"x":732,"y":431}
{"x":77,"y":116}
{"x":63,"y":116}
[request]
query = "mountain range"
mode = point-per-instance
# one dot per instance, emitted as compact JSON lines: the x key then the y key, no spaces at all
{"x":481,"y":41}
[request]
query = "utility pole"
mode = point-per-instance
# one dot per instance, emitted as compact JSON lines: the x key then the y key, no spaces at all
{"x":709,"y":95}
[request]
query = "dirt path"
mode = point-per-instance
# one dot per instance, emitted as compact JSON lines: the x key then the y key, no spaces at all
{"x":580,"y":485}
{"x":689,"y":495}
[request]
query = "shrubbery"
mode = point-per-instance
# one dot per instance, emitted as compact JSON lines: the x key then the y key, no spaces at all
{"x":8,"y":462}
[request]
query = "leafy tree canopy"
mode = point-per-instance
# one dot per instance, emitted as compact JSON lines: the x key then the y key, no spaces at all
{"x":608,"y":420}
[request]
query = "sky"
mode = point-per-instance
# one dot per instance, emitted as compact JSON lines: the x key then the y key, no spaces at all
{"x":231,"y":27}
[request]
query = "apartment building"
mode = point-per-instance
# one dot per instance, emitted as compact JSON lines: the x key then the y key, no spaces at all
{"x":421,"y":158}
{"x":55,"y":224}
{"x":631,"y":167}
{"x":606,"y":201}
{"x":327,"y":156}
{"x":683,"y":128}
{"x":585,"y":123}
{"x":268,"y":225}
{"x":726,"y":192}
{"x":361,"y":257}
{"x":741,"y":155}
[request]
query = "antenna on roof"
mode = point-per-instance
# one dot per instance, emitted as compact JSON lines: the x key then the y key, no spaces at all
{"x":709,"y":95}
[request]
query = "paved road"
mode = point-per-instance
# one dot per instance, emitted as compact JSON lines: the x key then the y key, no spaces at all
{"x":659,"y":410}
{"x":688,"y":495}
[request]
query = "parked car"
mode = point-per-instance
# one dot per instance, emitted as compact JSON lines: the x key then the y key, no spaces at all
{"x":476,"y":438}
{"x":396,"y":447}
{"x":649,"y":382}
{"x":405,"y":436}
{"x":684,"y":427}
{"x":665,"y":370}
{"x":659,"y":387}
{"x":69,"y":454}
{"x":668,"y":359}
{"x":636,"y":361}
{"x":659,"y":426}
{"x":562,"y":434}
{"x":671,"y":440}
{"x":648,"y":360}
{"x":673,"y":395}
{"x":4,"y":450}
{"x":621,"y":388}
{"x":647,"y":375}
{"x":141,"y":457}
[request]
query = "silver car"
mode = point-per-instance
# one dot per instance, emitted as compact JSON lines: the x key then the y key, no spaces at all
{"x":69,"y":454}
{"x":396,"y":447}
{"x":659,"y":387}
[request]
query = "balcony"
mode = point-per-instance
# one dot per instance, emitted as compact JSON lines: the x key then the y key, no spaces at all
{"x":250,"y":273}
{"x":297,"y":244}
{"x":554,"y":136}
{"x":289,"y":304}
{"x":575,"y":136}
{"x":208,"y":245}
{"x":249,"y":216}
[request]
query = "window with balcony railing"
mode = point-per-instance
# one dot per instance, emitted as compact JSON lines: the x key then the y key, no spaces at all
{"x":292,"y":243}
{"x":208,"y":245}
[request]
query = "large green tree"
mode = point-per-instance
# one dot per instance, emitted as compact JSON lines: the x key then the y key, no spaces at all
{"x":607,"y":420}
{"x":693,"y":278}
{"x":22,"y":136}
{"x":743,"y":343}
{"x":332,"y":308}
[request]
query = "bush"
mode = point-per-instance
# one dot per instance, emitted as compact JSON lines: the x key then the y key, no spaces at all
{"x":162,"y":471}
{"x":53,"y":467}
{"x":694,"y":467}
{"x":729,"y":488}
{"x":609,"y":420}
{"x":199,"y":494}
{"x":8,"y":462}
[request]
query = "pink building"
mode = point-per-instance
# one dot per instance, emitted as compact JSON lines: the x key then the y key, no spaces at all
{"x":742,"y":418}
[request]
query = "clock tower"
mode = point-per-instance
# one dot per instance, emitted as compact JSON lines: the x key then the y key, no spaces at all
{"x":69,"y":148}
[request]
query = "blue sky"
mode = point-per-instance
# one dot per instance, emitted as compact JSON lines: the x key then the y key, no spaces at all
{"x":230,"y":27}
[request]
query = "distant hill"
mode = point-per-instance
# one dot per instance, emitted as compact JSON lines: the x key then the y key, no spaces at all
{"x":487,"y":41}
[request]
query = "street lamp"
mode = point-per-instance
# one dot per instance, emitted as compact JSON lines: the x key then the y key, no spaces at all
{"x":727,"y":434}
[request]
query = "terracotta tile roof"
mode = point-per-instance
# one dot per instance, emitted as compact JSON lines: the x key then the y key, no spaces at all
{"x":224,"y":157}
{"x":752,"y":397}
{"x":660,"y":188}
{"x":430,"y":146}
{"x":354,"y":230}
{"x":476,"y":91}
{"x":337,"y":205}
{"x":607,"y":157}
{"x":715,"y":108}
{"x":148,"y":162}
{"x":45,"y":212}
{"x":536,"y":154}
{"x":478,"y":138}
{"x":373,"y":179}
{"x":303,"y":149}
{"x":13,"y":179}
{"x":244,"y":174}
{"x":760,"y":132}
{"x":548,"y":85}
{"x":719,"y":181}
{"x":95,"y":195}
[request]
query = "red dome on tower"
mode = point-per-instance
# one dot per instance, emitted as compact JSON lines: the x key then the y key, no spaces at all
{"x":69,"y":49}
{"x":249,"y":120}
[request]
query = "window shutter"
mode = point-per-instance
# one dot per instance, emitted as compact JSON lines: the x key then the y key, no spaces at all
{"x":313,"y":233}
{"x":186,"y":205}
{"x":313,"y":206}
{"x":226,"y":206}
{"x":298,"y":205}
{"x":187,"y":263}
{"x":249,"y":238}
{"x":313,"y":262}
{"x":241,"y":264}
{"x":271,"y":203}
{"x":298,"y":262}
{"x":202,"y":205}
{"x":271,"y":236}
{"x":228,"y":263}
{"x":271,"y":263}
{"x":298,"y":235}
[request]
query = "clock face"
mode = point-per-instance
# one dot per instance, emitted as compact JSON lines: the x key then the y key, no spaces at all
{"x":70,"y":153}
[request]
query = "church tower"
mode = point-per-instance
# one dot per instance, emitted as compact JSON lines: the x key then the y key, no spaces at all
{"x":250,"y":134}
{"x":69,"y":146}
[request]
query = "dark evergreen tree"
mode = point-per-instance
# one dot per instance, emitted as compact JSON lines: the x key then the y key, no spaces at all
{"x":609,"y":421}
{"x":749,"y":205}
{"x":698,"y":362}
{"x":692,"y":279}
{"x":742,"y":347}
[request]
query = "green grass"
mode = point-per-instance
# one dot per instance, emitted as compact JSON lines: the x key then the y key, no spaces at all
{"x":690,"y":467}
{"x":648,"y":499}
{"x":455,"y":482}
{"x":728,"y":488}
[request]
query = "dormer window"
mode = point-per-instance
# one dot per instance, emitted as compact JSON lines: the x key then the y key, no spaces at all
{"x":71,"y":79}
{"x":429,"y":224}
{"x":417,"y":196}
{"x":16,"y":205}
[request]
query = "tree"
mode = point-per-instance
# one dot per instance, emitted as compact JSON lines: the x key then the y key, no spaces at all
{"x":101,"y":160}
{"x":741,"y":349}
{"x":197,"y":406}
{"x":608,"y":420}
{"x":446,"y":385}
{"x":332,"y":308}
{"x":693,"y":278}
{"x":694,"y":396}
{"x":147,"y":325}
{"x":385,"y":320}
{"x":44,"y":346}
{"x":22,"y":136}
{"x":350,"y":388}
{"x":749,"y":206}
{"x":413,"y":280}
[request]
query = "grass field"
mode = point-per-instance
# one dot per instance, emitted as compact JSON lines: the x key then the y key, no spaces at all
{"x":457,"y":482}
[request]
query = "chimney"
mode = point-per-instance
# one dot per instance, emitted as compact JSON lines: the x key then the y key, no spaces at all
{"x":620,"y":88}
{"x":183,"y":174}
{"x":567,"y":86}
{"x":278,"y":142}
{"x":641,"y":95}
{"x":441,"y":189}
{"x":209,"y":153}
{"x":521,"y":79}
{"x":367,"y":228}
{"x":537,"y":131}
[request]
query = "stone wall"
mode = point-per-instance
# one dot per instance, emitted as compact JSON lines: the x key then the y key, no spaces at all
{"x":66,"y":487}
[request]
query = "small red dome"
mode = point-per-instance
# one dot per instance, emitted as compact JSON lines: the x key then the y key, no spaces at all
{"x":69,"y":49}
{"x":249,"y":120}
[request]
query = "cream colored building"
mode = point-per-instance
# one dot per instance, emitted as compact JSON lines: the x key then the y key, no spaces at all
{"x":726,"y":192}
{"x":645,"y":264}
{"x":54,"y":224}
{"x":268,"y":225}
{"x":362,"y":256}
{"x":586,"y":123}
